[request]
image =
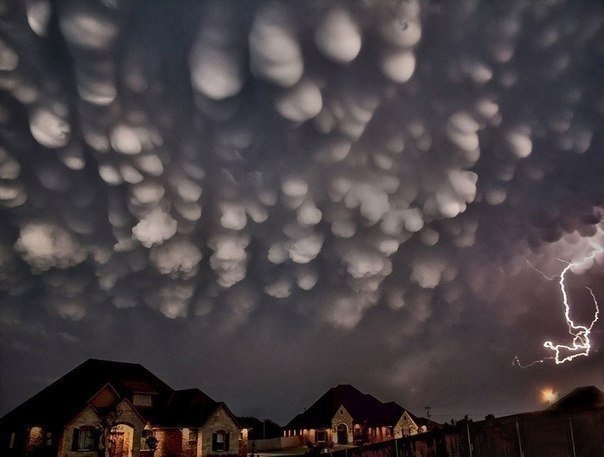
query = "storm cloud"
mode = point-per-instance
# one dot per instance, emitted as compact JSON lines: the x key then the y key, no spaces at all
{"x":271,"y":197}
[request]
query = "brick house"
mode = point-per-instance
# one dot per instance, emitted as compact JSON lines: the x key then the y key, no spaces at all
{"x":116,"y":409}
{"x":346,"y":416}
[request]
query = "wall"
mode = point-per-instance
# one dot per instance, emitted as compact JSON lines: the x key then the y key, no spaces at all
{"x":188,"y":446}
{"x":88,"y":417}
{"x":169,"y":442}
{"x":220,"y":420}
{"x":130,"y":417}
{"x":309,"y":436}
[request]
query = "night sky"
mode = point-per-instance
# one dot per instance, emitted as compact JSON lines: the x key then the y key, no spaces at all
{"x":264,"y":199}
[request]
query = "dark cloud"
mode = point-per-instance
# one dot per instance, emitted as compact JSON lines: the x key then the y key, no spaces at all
{"x":264,"y":201}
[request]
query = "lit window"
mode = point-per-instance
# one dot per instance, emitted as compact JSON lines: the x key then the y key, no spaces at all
{"x":35,"y":437}
{"x":141,"y":400}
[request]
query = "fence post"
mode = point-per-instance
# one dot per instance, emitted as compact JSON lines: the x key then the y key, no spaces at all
{"x":572,"y":435}
{"x":469,"y":441}
{"x":519,"y":439}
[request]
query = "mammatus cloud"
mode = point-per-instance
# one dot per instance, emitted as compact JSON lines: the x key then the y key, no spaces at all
{"x":326,"y":158}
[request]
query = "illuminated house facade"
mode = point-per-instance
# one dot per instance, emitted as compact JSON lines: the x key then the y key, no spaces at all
{"x":115,"y":409}
{"x":346,"y":416}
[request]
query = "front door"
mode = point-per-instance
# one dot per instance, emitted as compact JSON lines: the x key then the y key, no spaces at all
{"x":342,"y":434}
{"x":117,"y":445}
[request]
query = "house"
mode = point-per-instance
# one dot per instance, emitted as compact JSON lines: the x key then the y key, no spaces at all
{"x":581,"y":398}
{"x":346,"y":416}
{"x":119,"y":410}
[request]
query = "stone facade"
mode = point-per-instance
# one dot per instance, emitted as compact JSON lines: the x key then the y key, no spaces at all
{"x":220,"y":421}
{"x":342,"y":418}
{"x":89,"y":418}
{"x":405,"y":426}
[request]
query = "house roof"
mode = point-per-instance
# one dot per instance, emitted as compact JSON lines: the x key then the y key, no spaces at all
{"x":364,"y":409}
{"x":580,"y":398}
{"x":189,"y":407}
{"x":60,"y":402}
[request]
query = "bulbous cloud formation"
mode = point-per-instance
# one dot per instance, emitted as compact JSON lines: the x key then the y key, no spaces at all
{"x":324,"y":157}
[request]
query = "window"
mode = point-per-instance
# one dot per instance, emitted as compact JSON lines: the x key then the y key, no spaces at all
{"x":35,"y":438}
{"x":320,"y":436}
{"x":220,"y":441}
{"x":141,"y":400}
{"x":192,"y":436}
{"x":84,"y":438}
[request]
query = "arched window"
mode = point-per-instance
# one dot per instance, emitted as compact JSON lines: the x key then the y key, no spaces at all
{"x":36,"y":436}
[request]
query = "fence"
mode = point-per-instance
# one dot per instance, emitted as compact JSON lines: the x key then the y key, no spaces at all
{"x":542,"y":434}
{"x":272,"y":444}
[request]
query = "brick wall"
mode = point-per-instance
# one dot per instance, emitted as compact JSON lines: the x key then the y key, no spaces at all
{"x":169,"y":443}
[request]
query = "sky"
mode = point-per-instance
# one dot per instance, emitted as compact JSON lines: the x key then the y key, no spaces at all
{"x":265,"y":199}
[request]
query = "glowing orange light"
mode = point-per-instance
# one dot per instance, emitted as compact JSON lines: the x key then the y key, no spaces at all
{"x":549,"y":396}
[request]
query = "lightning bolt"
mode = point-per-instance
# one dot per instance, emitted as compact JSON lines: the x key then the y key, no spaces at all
{"x":580,"y":345}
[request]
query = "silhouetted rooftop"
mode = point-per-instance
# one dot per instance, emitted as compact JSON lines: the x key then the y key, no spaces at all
{"x":580,"y":398}
{"x":364,"y":409}
{"x":58,"y":403}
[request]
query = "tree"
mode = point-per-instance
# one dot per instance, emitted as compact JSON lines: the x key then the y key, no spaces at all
{"x":109,"y":420}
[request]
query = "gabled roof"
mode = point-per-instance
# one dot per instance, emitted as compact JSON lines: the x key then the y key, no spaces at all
{"x":190,"y":407}
{"x":364,"y":409}
{"x":578,"y":399}
{"x":58,"y":403}
{"x":419,"y":421}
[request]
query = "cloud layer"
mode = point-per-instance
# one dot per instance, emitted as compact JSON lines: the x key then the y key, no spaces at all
{"x":336,"y":167}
